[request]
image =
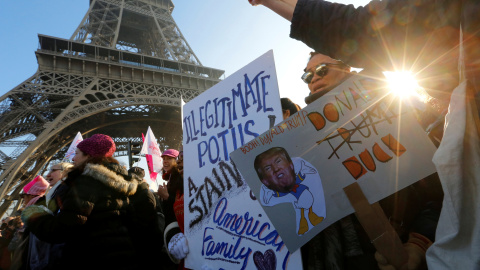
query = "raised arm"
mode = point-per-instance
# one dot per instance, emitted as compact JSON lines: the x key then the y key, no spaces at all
{"x":283,"y":8}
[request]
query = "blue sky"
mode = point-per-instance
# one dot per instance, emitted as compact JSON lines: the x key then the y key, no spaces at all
{"x":226,"y":35}
{"x":223,"y":34}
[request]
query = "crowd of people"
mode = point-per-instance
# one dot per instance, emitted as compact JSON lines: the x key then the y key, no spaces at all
{"x":96,"y":214}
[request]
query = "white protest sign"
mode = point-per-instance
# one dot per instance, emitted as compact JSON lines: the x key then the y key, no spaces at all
{"x":73,"y":146}
{"x":224,"y":225}
{"x":298,"y":169}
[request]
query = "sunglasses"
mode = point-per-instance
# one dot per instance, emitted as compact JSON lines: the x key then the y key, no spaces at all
{"x":321,"y":70}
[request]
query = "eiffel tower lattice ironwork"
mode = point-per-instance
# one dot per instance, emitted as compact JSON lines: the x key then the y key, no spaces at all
{"x":125,"y":68}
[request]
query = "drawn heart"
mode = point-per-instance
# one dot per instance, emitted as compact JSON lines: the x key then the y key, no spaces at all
{"x":266,"y":261}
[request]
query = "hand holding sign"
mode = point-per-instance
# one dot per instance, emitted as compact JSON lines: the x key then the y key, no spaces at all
{"x":416,"y":247}
{"x":178,"y":246}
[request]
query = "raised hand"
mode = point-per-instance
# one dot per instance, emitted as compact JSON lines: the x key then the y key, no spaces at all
{"x":163,"y":192}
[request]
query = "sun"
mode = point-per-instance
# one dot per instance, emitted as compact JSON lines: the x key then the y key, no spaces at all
{"x":401,"y":83}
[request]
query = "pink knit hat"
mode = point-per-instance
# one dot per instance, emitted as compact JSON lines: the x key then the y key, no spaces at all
{"x":37,"y":186}
{"x":170,"y":153}
{"x":98,"y":145}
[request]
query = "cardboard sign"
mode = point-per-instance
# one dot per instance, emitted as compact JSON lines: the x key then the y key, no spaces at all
{"x":224,"y":225}
{"x":298,"y":169}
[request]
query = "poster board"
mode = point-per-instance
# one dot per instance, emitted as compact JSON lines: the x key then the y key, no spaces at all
{"x":349,"y":135}
{"x":225,"y":227}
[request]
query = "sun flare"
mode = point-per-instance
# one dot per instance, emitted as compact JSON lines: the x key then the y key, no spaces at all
{"x":401,"y":83}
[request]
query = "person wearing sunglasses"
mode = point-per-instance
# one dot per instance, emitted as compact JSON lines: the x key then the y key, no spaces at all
{"x":322,"y":74}
{"x":55,"y":176}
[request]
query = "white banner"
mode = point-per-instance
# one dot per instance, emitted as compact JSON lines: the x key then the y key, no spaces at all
{"x":73,"y":146}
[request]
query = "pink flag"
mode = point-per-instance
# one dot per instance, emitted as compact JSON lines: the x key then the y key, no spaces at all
{"x":152,"y":153}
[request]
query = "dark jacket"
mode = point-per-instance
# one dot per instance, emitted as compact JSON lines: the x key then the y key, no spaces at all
{"x":92,"y":219}
{"x":345,"y":244}
{"x":174,"y":186}
{"x":391,"y":34}
{"x":145,"y":230}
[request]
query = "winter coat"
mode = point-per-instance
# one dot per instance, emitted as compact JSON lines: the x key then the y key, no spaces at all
{"x":92,"y":219}
{"x":145,"y":230}
{"x":51,"y":195}
{"x":173,"y":187}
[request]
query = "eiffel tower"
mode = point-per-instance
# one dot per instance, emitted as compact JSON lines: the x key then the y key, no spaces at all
{"x":126,"y":67}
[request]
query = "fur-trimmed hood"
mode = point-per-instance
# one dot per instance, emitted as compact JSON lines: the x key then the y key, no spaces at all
{"x":110,"y":178}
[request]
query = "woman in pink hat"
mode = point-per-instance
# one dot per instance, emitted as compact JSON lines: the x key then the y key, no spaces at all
{"x":33,"y":192}
{"x":93,"y":205}
{"x":170,"y":173}
{"x":172,"y":196}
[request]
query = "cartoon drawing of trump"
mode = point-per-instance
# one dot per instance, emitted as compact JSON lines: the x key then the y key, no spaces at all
{"x":291,"y":180}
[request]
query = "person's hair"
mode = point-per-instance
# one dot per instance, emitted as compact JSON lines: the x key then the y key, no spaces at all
{"x":271,"y":151}
{"x":140,"y":172}
{"x":287,"y":104}
{"x":312,"y":54}
{"x":65,"y":167}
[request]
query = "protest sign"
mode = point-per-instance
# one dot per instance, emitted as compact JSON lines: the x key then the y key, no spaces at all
{"x":298,"y":169}
{"x":73,"y":146}
{"x":224,"y":225}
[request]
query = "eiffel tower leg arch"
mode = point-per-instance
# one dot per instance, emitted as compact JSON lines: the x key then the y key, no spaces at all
{"x":75,"y":112}
{"x":35,"y":163}
{"x":61,"y":141}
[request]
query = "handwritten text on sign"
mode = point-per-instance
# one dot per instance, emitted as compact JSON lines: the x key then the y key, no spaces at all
{"x":349,"y":135}
{"x":224,"y":225}
{"x":226,"y":113}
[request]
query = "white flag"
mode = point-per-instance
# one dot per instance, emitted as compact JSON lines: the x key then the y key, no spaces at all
{"x":153,"y":155}
{"x":71,"y":150}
